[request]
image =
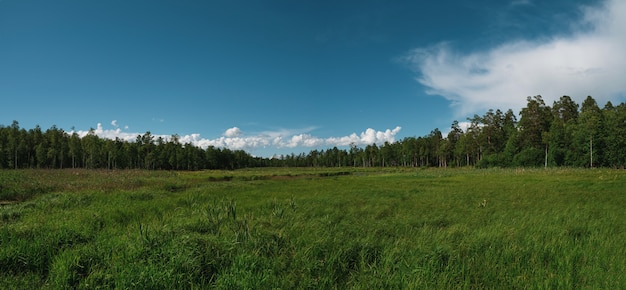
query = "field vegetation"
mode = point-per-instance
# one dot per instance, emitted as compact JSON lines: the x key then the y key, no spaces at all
{"x":314,"y":228}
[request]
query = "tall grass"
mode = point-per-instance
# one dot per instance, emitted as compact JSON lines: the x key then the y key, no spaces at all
{"x":300,"y":228}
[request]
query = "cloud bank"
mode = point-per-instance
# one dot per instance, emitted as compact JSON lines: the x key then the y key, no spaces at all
{"x":589,"y":61}
{"x":235,"y":139}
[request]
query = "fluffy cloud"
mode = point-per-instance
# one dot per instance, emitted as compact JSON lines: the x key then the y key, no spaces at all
{"x":235,"y":139}
{"x":232,"y":132}
{"x":109,"y":133}
{"x":590,"y":61}
{"x":294,"y":139}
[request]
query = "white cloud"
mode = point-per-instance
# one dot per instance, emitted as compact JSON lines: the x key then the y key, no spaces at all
{"x":114,"y":123}
{"x":235,"y":139}
{"x":109,"y":133}
{"x":232,"y":132}
{"x":590,"y":61}
{"x":298,"y":138}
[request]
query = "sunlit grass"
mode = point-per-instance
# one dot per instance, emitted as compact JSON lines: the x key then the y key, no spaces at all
{"x":314,"y":228}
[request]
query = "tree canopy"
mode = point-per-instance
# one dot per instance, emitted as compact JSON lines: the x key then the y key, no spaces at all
{"x":560,"y":135}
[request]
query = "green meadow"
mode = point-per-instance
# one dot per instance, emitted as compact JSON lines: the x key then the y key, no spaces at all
{"x":325,"y":228}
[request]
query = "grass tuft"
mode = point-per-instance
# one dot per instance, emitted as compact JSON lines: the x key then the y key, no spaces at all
{"x":313,"y":228}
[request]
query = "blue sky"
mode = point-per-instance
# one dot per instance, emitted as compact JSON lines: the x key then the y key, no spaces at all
{"x":276,"y":77}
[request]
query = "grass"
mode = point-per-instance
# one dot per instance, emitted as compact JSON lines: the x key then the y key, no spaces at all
{"x":313,"y":228}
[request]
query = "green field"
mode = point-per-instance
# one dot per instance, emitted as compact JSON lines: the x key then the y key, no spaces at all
{"x":313,"y":228}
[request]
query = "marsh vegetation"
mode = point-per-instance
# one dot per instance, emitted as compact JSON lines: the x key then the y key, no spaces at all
{"x":313,"y":228}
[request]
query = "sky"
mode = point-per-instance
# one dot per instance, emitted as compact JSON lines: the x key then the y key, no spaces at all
{"x":281,"y":77}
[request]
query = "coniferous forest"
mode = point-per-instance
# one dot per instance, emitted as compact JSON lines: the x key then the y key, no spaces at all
{"x":564,"y":134}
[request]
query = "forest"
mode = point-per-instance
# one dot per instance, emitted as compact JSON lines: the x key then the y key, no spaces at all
{"x":564,"y":134}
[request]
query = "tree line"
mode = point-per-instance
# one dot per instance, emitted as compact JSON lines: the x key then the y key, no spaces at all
{"x":564,"y":134}
{"x":55,"y":148}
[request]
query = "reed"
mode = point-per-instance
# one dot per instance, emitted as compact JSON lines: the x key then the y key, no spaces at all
{"x":366,"y":229}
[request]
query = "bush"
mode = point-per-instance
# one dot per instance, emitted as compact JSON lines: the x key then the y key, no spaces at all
{"x":494,"y":160}
{"x":529,"y":157}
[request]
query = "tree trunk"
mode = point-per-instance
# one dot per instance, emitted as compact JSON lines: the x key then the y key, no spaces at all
{"x":546,"y":159}
{"x":591,"y":151}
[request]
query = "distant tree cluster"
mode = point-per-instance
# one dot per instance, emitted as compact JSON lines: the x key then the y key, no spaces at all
{"x":55,"y":148}
{"x":561,"y":135}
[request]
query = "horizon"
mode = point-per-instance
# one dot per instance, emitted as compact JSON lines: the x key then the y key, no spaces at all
{"x":281,"y":78}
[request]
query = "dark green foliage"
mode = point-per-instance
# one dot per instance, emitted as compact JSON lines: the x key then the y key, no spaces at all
{"x":561,"y":135}
{"x":529,"y":157}
{"x":493,"y":160}
{"x":536,"y":119}
{"x":56,"y":148}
